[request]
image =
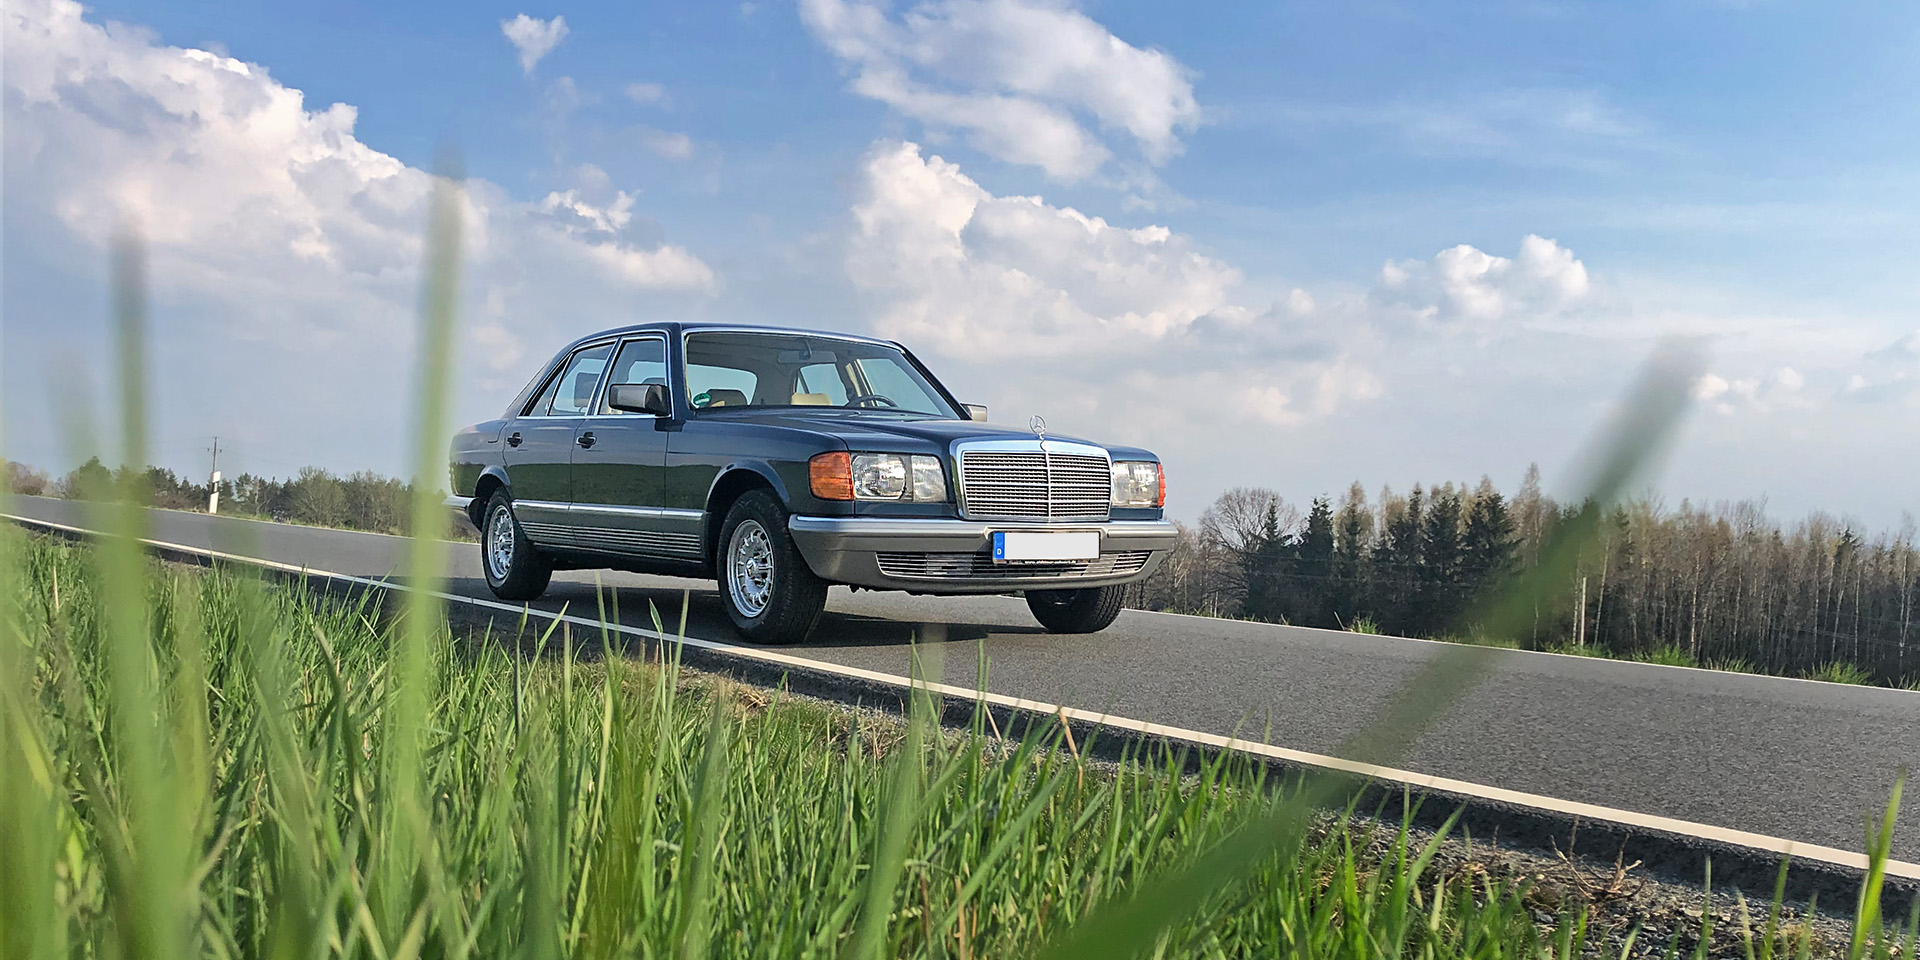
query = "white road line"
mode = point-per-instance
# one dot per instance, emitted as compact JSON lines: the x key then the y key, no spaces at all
{"x":1419,"y":781}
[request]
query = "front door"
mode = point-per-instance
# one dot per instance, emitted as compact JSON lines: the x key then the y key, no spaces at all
{"x":618,"y":459}
{"x":540,"y":445}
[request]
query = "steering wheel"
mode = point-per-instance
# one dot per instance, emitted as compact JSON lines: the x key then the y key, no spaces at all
{"x":870,"y":398}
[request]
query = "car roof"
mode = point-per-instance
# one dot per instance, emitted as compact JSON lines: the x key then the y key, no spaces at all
{"x":671,"y":327}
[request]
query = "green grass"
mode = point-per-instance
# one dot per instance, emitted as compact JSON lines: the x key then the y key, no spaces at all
{"x":1838,"y":672}
{"x":603,"y":808}
{"x":610,"y":806}
{"x":1670,"y":656}
{"x":574,"y":804}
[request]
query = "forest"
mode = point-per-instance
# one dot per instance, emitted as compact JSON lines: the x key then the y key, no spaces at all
{"x":1722,"y":585}
{"x":360,"y":501}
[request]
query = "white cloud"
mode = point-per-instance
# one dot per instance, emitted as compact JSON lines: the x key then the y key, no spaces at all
{"x":1514,"y":120}
{"x":1070,"y":314}
{"x":1782,"y":388}
{"x":1907,"y":347}
{"x":1710,"y":387}
{"x":1891,"y":372}
{"x":1015,"y":77}
{"x":982,"y":275}
{"x":533,"y":38}
{"x":672,"y":146}
{"x":1524,"y":126}
{"x":1468,"y":285}
{"x":277,"y":233}
{"x":647,"y":94}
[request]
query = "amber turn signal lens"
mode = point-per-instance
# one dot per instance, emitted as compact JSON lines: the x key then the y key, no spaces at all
{"x":831,"y":475}
{"x":1161,"y":500}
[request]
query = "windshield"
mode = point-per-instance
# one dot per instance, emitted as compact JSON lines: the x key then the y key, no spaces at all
{"x":800,"y":370}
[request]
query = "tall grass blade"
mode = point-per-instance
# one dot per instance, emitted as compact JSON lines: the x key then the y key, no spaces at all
{"x":30,"y":822}
{"x":155,"y":900}
{"x":700,"y":844}
{"x":901,"y":807}
{"x":1867,"y":921}
{"x":408,"y":821}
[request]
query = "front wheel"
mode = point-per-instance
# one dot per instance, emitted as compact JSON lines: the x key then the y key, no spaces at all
{"x":1087,"y":610}
{"x":515,"y":569}
{"x":770,"y":593}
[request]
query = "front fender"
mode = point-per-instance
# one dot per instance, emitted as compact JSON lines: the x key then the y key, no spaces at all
{"x":728,"y":480}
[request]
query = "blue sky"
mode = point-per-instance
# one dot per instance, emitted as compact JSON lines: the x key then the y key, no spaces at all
{"x":1285,"y":244}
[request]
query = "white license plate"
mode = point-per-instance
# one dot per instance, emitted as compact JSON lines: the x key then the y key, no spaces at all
{"x":1013,"y":546}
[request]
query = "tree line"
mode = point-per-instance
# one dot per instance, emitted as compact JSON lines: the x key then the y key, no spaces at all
{"x":1720,"y":585}
{"x":358,"y":501}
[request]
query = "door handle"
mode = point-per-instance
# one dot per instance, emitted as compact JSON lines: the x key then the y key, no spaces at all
{"x":514,"y":440}
{"x":585,"y":439}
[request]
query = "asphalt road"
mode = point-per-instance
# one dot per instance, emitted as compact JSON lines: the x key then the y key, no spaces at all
{"x":1799,"y":760}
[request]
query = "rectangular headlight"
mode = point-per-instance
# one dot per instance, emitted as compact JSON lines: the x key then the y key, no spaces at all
{"x":879,"y":476}
{"x":893,"y":476}
{"x":929,"y":481}
{"x":1136,"y":483}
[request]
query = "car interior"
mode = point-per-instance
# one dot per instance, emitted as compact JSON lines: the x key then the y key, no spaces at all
{"x":767,"y":371}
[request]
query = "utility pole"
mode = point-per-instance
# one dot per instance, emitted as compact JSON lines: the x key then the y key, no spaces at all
{"x":213,"y":482}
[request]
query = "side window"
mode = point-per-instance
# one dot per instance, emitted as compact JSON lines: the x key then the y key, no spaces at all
{"x":640,"y":361}
{"x":540,"y":404}
{"x":817,"y":380}
{"x":571,"y":393}
{"x":719,"y":386}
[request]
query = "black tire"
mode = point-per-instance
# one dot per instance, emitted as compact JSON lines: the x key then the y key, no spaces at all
{"x":520,"y":572}
{"x":776,"y":599}
{"x":1087,"y":610}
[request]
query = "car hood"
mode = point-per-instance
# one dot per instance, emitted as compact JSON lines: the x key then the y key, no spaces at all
{"x":882,"y":433}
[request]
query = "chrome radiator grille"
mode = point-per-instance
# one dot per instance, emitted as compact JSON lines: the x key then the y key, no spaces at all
{"x":980,"y":566}
{"x":1001,"y":484}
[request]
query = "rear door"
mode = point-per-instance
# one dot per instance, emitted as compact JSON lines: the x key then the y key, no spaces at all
{"x":618,"y":462}
{"x":540,"y":444}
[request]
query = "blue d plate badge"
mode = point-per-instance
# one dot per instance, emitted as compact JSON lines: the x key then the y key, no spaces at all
{"x":1015,"y":546}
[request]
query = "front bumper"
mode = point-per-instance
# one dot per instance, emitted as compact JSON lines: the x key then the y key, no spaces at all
{"x":955,"y":556}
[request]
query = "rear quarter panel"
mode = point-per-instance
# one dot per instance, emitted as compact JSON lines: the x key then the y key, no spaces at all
{"x":473,"y":451}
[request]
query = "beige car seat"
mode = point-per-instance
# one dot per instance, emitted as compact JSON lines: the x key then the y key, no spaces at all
{"x":812,"y":400}
{"x":726,"y":398}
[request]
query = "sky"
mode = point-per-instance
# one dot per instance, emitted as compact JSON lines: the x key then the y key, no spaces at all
{"x":1292,"y":245}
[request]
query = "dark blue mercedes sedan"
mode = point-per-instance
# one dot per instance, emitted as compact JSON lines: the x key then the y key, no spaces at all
{"x":782,"y":461}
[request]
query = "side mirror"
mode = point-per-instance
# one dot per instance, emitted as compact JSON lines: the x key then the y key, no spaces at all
{"x":640,"y":398}
{"x":976,"y":411}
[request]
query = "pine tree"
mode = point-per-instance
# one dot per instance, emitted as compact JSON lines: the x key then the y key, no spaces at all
{"x":1442,"y":561}
{"x":1396,"y":560}
{"x":1352,"y":549}
{"x":1264,"y":568}
{"x":1313,"y":568}
{"x":1487,"y":542}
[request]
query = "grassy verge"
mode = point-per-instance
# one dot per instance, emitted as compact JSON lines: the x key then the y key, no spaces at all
{"x":601,"y":807}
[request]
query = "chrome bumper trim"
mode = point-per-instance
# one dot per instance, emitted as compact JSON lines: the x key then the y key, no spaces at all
{"x":978,"y":529}
{"x":847,"y":549}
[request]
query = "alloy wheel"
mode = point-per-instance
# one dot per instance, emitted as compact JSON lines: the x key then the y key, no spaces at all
{"x":500,"y":542}
{"x":750,"y":568}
